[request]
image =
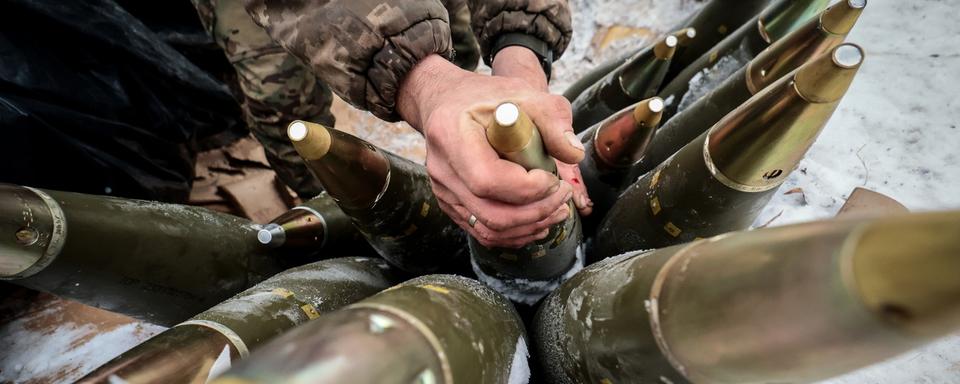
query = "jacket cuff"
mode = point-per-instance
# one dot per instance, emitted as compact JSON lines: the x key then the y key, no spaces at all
{"x":547,"y":20}
{"x":399,"y":54}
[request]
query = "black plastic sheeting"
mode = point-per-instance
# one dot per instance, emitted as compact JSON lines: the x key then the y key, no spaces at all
{"x":93,"y":101}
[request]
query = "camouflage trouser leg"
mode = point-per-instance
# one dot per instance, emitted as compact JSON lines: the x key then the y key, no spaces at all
{"x":277,"y":88}
{"x":464,"y":41}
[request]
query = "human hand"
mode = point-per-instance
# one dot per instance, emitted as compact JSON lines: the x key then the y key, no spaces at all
{"x":521,"y":63}
{"x":452,"y":107}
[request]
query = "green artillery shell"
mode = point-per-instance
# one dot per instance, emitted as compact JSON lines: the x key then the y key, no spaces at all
{"x":790,"y":304}
{"x":527,"y":274}
{"x":775,"y":22}
{"x":195,"y":350}
{"x":637,"y":79}
{"x":157,"y":262}
{"x":807,"y":42}
{"x":314,"y":226}
{"x":716,"y":20}
{"x":720,"y":181}
{"x":612,"y":147}
{"x":439,"y":329}
{"x":388,"y":198}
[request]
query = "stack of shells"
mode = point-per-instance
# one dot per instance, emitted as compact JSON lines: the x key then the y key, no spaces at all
{"x":373,"y":283}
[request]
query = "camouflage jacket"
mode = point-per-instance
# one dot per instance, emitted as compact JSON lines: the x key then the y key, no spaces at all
{"x":363,"y":48}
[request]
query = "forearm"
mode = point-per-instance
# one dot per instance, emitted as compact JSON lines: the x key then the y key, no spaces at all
{"x":418,"y":93}
{"x":521,"y":63}
{"x":547,"y":20}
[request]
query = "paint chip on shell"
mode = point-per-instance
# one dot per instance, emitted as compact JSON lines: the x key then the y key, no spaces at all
{"x":380,"y":323}
{"x":426,"y":377}
{"x":435,"y":288}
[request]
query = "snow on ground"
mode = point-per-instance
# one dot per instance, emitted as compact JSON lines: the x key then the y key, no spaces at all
{"x":50,"y":340}
{"x":896,"y":132}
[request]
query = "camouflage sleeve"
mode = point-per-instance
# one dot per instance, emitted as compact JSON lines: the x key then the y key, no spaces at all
{"x":361,"y":48}
{"x":548,"y":20}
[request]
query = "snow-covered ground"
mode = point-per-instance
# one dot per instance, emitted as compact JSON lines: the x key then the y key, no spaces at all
{"x":896,"y":132}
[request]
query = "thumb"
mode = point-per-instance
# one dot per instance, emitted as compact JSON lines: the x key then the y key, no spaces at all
{"x":553,"y":117}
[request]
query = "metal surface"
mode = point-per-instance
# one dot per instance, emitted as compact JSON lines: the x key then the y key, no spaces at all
{"x":713,"y":22}
{"x":746,"y":42}
{"x":433,"y":329}
{"x":781,"y":58}
{"x":318,"y":226}
{"x":515,"y":138}
{"x":157,"y":262}
{"x":788,"y":118}
{"x":184,"y":356}
{"x":635,"y":80}
{"x":352,"y":171}
{"x":685,"y":37}
{"x":816,"y":36}
{"x":187,"y":351}
{"x":612,"y":147}
{"x":388,"y":199}
{"x":789,"y":304}
{"x":35,"y":229}
{"x":775,"y":22}
{"x":716,"y":20}
{"x":530,"y":272}
{"x":622,"y":140}
{"x":720,"y":181}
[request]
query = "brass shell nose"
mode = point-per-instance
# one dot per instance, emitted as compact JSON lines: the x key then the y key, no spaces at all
{"x":827,"y":78}
{"x":311,"y":140}
{"x":840,"y":18}
{"x":510,"y":130}
{"x":666,"y":48}
{"x":685,"y":36}
{"x":649,"y":111}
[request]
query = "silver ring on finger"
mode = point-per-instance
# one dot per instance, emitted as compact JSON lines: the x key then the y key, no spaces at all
{"x":472,"y":221}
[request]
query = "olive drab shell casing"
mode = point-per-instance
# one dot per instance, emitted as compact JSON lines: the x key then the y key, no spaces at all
{"x":637,"y":79}
{"x":387,"y":197}
{"x":527,"y":274}
{"x":154,"y":261}
{"x":195,"y":350}
{"x":776,"y":21}
{"x":317,"y":226}
{"x":810,"y":40}
{"x":720,"y":181}
{"x":611,"y":148}
{"x":793,"y":304}
{"x":716,"y":20}
{"x":432,"y":329}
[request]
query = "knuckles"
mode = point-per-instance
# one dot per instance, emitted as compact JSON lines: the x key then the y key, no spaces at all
{"x":480,"y":181}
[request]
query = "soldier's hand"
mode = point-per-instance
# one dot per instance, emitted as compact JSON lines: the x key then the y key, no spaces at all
{"x":452,"y":107}
{"x":521,"y":63}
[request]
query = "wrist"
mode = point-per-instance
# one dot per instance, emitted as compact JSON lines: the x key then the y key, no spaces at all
{"x":521,"y":63}
{"x":419,"y":91}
